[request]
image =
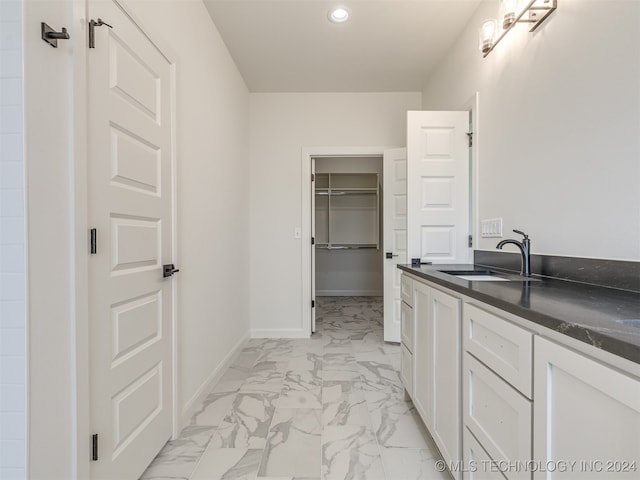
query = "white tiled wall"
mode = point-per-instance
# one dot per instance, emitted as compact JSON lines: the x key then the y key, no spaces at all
{"x":12,"y":248}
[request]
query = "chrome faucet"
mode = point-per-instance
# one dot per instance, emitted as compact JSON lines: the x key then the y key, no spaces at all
{"x":525,"y":250}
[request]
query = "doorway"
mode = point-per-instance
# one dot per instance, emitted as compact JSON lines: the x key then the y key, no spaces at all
{"x":347,"y":218}
{"x":309,"y":156}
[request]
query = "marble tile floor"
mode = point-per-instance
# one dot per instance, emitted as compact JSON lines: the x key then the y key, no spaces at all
{"x":327,"y":408}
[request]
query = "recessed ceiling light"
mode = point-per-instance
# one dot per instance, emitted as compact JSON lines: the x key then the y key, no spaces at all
{"x":338,"y":15}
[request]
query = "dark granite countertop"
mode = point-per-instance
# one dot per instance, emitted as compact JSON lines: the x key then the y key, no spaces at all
{"x":606,"y":318}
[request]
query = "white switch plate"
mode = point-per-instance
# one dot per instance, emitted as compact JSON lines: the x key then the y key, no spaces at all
{"x":297,"y":232}
{"x":491,"y":228}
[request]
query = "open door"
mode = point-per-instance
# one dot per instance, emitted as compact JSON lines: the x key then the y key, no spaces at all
{"x":130,"y":199}
{"x":394,"y":236}
{"x":438,"y":186}
{"x":313,"y":245}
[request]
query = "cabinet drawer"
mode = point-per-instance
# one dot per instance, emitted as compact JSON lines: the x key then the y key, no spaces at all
{"x":406,"y":369}
{"x":406,"y":325}
{"x":497,"y":415}
{"x":504,"y":347}
{"x":406,"y":290}
{"x":477,"y":462}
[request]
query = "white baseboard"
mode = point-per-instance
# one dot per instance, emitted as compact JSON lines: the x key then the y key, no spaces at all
{"x":190,"y":406}
{"x":280,"y":333}
{"x":349,"y":293}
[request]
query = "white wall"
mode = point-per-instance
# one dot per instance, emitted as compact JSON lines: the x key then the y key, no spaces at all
{"x":213,"y":219}
{"x":12,"y":249}
{"x":559,"y":126}
{"x":50,"y":244}
{"x":281,"y":125}
{"x":350,"y":272}
{"x":213,"y":203}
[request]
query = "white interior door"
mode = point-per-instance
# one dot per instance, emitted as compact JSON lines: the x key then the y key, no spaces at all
{"x":313,"y":245}
{"x":438,"y":186}
{"x":130,"y":206}
{"x":394,"y":236}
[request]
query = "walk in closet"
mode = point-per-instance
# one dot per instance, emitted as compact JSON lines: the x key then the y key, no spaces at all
{"x":348,"y":199}
{"x":347,"y":210}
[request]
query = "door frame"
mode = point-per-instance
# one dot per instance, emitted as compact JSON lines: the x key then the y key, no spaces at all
{"x":307,"y":154}
{"x":472,"y":105}
{"x":81,"y":356}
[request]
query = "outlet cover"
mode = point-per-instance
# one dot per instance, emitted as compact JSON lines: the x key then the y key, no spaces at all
{"x":491,"y":228}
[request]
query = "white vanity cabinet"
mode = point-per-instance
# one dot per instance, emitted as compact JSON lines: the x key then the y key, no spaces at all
{"x":437,"y":367}
{"x":585,"y":412}
{"x":493,"y":389}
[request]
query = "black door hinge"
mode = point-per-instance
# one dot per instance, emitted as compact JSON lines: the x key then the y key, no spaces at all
{"x":470,"y":137}
{"x":313,"y":304}
{"x":313,"y":240}
{"x":313,"y":177}
{"x":94,"y":447}
{"x":94,"y":241}
{"x":470,"y":241}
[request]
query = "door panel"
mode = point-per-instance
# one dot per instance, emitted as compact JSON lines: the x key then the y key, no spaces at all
{"x":313,"y":245}
{"x":130,"y":205}
{"x":394,"y":236}
{"x":438,"y":186}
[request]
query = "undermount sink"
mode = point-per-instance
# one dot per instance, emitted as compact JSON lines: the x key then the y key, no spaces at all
{"x":632,"y":322}
{"x":484,"y":276}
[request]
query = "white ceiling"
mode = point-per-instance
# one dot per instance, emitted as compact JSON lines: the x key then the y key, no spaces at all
{"x":386,"y":46}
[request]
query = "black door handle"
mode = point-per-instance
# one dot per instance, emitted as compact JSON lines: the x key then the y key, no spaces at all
{"x":391,"y":254}
{"x":169,"y":269}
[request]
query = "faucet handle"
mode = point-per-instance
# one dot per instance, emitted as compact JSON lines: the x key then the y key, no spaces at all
{"x":521,"y":233}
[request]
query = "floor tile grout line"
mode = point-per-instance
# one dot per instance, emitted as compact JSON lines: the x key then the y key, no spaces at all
{"x":354,"y":326}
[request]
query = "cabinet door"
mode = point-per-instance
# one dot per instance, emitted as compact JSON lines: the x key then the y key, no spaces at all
{"x":406,"y":369}
{"x":585,"y":412}
{"x":436,"y":367}
{"x":445,"y":317}
{"x":423,"y":366}
{"x":406,"y":325}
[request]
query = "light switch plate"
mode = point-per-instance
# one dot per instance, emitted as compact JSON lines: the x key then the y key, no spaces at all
{"x":491,"y":228}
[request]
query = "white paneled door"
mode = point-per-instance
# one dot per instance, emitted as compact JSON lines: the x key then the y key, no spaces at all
{"x":313,"y":245}
{"x":438,"y":186}
{"x":130,"y":206}
{"x":394,"y":236}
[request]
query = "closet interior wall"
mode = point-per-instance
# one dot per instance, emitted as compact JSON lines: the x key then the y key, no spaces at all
{"x":349,"y":271}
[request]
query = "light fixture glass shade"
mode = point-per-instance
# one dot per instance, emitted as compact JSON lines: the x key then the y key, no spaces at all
{"x":507,"y":12}
{"x":487,"y":34}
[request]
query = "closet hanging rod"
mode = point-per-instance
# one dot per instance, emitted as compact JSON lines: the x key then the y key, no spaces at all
{"x":348,"y":192}
{"x":345,"y":247}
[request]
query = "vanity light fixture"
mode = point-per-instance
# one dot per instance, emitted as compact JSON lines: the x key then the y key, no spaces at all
{"x":338,"y":15}
{"x":533,"y":12}
{"x":488,"y":35}
{"x":507,"y":13}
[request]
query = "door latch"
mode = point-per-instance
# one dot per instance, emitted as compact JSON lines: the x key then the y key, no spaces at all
{"x":169,"y":269}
